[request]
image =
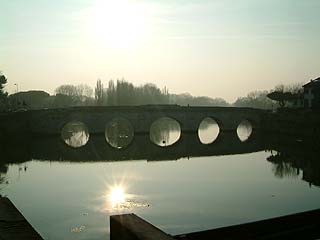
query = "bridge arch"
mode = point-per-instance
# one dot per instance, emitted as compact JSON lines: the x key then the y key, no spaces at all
{"x":245,"y":130}
{"x":119,"y":132}
{"x":207,"y":132}
{"x":75,"y":134}
{"x":165,"y":131}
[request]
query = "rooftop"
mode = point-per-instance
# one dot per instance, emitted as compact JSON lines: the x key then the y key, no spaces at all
{"x":313,"y":83}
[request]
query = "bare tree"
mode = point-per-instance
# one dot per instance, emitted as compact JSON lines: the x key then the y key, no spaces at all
{"x":67,"y":89}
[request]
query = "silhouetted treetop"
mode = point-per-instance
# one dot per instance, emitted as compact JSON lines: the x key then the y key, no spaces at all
{"x":3,"y":81}
{"x":286,"y":93}
{"x":3,"y":94}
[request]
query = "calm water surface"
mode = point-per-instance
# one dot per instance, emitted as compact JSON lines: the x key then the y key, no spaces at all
{"x":73,"y":200}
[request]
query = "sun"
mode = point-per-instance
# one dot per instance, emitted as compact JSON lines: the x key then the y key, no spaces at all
{"x":118,"y":23}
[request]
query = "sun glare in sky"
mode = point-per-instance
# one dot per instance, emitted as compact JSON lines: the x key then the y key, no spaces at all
{"x":215,"y":48}
{"x":118,"y":24}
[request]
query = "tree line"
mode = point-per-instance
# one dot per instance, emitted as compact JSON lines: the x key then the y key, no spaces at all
{"x":113,"y":93}
{"x":122,"y":92}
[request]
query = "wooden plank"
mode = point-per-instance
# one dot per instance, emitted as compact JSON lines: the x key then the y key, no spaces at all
{"x":132,"y":227}
{"x":13,"y":225}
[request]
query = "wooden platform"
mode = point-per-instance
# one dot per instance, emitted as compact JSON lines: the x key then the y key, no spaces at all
{"x":305,"y":225}
{"x":132,"y":227}
{"x":13,"y":225}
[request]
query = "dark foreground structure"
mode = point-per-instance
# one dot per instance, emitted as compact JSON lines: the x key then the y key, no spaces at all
{"x":306,"y":225}
{"x":13,"y":225}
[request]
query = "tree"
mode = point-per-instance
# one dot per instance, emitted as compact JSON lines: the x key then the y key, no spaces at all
{"x":3,"y":94}
{"x":78,"y":95}
{"x":291,"y":88}
{"x":188,"y":99}
{"x":99,"y":93}
{"x":286,"y":93}
{"x":281,"y":97}
{"x":84,"y":90}
{"x":255,"y":99}
{"x":83,"y":94}
{"x":3,"y":82}
{"x":111,"y":93}
{"x":62,"y":101}
{"x":67,"y":89}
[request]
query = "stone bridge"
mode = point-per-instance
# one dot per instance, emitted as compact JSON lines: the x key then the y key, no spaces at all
{"x":51,"y":121}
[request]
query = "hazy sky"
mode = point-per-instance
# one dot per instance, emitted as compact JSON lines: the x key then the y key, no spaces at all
{"x":218,"y":48}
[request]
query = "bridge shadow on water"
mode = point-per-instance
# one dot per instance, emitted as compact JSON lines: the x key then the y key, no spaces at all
{"x":53,"y":148}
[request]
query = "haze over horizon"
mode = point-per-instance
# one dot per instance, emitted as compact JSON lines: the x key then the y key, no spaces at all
{"x":218,"y":48}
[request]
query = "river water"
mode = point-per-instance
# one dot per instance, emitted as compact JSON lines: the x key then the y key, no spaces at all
{"x":68,"y":198}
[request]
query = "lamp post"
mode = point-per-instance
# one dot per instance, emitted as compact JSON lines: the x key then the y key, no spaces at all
{"x":17,"y":100}
{"x":16,"y":84}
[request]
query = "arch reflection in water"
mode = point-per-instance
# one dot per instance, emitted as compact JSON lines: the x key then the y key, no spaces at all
{"x":244,"y":130}
{"x":165,"y":132}
{"x":75,"y":134}
{"x":208,"y":130}
{"x":119,"y":133}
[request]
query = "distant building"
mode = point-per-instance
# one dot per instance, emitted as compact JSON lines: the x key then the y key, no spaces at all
{"x":297,"y":100}
{"x":311,"y":94}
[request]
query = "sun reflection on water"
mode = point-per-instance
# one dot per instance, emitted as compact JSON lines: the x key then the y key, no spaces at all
{"x":118,"y":199}
{"x":117,"y":196}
